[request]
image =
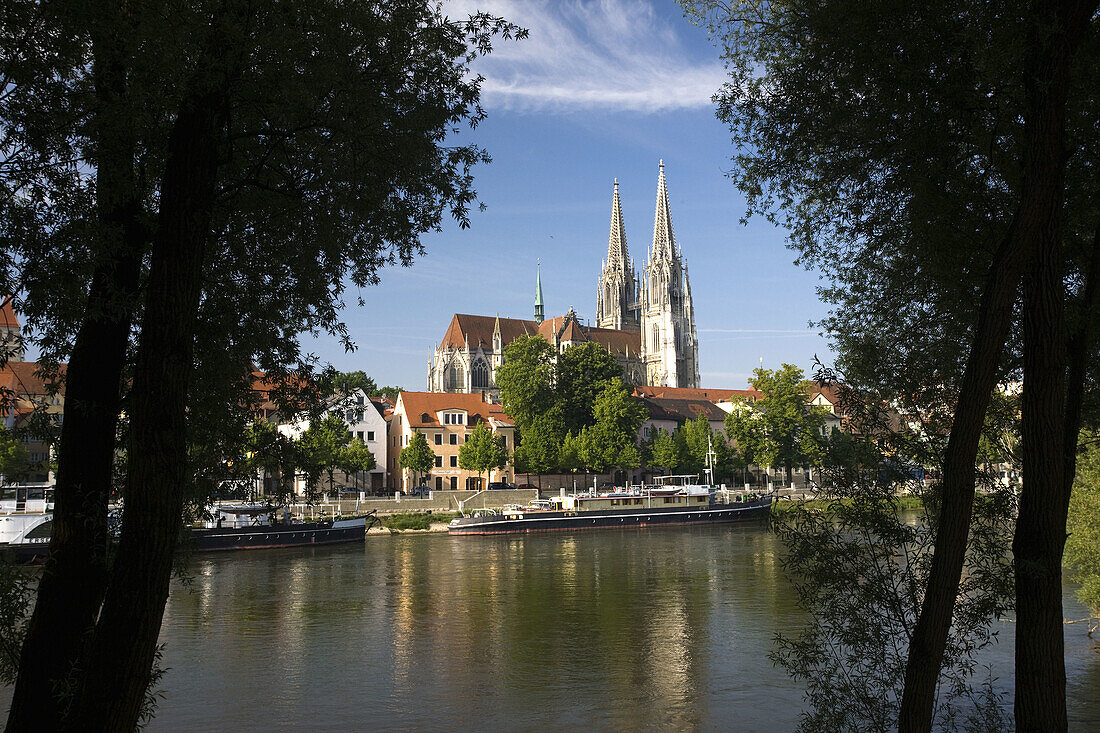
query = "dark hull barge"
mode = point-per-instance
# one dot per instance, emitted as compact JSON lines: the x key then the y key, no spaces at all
{"x":277,"y":535}
{"x":522,"y":521}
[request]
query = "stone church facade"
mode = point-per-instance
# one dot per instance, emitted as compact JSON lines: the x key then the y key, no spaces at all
{"x":647,"y":323}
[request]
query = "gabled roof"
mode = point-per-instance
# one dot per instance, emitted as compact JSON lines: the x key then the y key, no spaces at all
{"x":682,"y":409}
{"x":420,"y":408}
{"x":22,"y":378}
{"x":692,"y":393}
{"x":474,"y":330}
{"x":478,"y":330}
{"x":7,"y":316}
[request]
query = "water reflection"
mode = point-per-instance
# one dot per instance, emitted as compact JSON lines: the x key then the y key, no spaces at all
{"x":647,"y":629}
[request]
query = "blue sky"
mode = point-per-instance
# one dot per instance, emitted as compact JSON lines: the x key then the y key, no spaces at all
{"x":600,"y":90}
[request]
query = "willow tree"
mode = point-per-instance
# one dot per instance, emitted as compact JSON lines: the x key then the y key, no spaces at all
{"x":202,"y":181}
{"x":936,"y":161}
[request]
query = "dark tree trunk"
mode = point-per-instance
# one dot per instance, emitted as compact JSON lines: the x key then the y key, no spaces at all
{"x":1041,"y":525}
{"x":1040,"y":203}
{"x":930,"y":634}
{"x":116,"y":670}
{"x":74,"y":579}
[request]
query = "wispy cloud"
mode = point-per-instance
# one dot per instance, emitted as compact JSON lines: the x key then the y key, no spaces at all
{"x":599,"y":54}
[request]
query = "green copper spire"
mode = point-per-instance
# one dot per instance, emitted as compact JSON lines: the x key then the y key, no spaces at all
{"x":539,"y":314}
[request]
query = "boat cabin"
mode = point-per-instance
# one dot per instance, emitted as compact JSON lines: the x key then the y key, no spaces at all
{"x":239,"y":516}
{"x":634,"y":499}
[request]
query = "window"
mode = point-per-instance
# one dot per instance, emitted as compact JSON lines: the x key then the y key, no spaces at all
{"x":358,"y":399}
{"x":350,"y":416}
{"x":454,"y":461}
{"x":504,"y":439}
{"x":454,"y":483}
{"x":439,"y":461}
{"x":455,"y":378}
{"x":439,"y":438}
{"x":454,"y":438}
{"x":370,"y":435}
{"x":656,"y":339}
{"x":359,"y":435}
{"x":479,"y":374}
{"x":439,"y":483}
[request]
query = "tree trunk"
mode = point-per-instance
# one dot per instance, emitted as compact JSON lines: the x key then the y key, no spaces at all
{"x":1040,"y":200}
{"x":1050,"y":438}
{"x":116,"y":670}
{"x":1041,"y":525}
{"x":74,"y":579}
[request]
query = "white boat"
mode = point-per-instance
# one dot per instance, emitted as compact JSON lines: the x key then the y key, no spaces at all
{"x":26,"y":518}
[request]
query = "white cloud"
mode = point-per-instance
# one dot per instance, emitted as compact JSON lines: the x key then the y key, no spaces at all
{"x":585,"y":55}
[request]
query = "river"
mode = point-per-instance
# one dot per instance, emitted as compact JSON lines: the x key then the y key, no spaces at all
{"x":618,"y":630}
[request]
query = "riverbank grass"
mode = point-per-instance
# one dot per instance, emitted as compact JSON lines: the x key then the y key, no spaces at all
{"x":904,"y":501}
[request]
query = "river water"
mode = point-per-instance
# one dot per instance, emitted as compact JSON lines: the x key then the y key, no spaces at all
{"x":618,"y":630}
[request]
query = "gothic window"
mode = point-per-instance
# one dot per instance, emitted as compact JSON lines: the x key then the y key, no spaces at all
{"x":456,"y":377}
{"x":656,"y":338}
{"x":479,"y":374}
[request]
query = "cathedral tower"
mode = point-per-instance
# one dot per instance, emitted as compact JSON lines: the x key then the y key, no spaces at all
{"x":539,"y":312}
{"x":670,"y":346}
{"x":617,"y":294}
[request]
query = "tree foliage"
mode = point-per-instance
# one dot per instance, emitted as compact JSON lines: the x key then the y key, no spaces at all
{"x":1082,"y":556}
{"x":664,"y":451}
{"x":218,"y":174}
{"x":540,"y":450}
{"x":860,"y":566}
{"x":483,"y":450}
{"x":526,"y":379}
{"x":935,"y":161}
{"x":417,"y":456}
{"x":579,"y":376}
{"x":779,"y":429}
{"x":611,"y":442}
{"x":322,"y":449}
{"x":14,"y":459}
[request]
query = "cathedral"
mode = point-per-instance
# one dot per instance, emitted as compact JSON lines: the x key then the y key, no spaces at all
{"x":647,"y":323}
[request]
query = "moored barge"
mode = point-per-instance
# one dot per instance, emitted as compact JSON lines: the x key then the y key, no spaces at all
{"x":640,"y":507}
{"x":253,"y":527}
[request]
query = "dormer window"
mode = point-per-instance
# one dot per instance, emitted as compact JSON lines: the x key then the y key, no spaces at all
{"x":454,"y":418}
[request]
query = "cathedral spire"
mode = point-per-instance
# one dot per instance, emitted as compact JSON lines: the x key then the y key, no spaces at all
{"x":664,"y":243}
{"x":617,"y":255}
{"x":539,"y":313}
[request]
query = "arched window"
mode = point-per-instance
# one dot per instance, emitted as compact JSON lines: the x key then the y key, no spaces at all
{"x":656,"y":338}
{"x":456,"y":377}
{"x":479,"y":374}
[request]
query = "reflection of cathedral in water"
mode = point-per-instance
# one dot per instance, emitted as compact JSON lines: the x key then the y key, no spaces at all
{"x":647,"y":323}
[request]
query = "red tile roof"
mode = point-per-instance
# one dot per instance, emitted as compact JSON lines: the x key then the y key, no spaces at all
{"x":680,"y":409}
{"x":420,"y":408}
{"x":478,"y":330}
{"x":7,"y":316}
{"x":690,"y":393}
{"x":22,"y":378}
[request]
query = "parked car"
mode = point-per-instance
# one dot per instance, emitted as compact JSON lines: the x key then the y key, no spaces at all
{"x":527,"y":486}
{"x":500,"y":485}
{"x":419,"y":491}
